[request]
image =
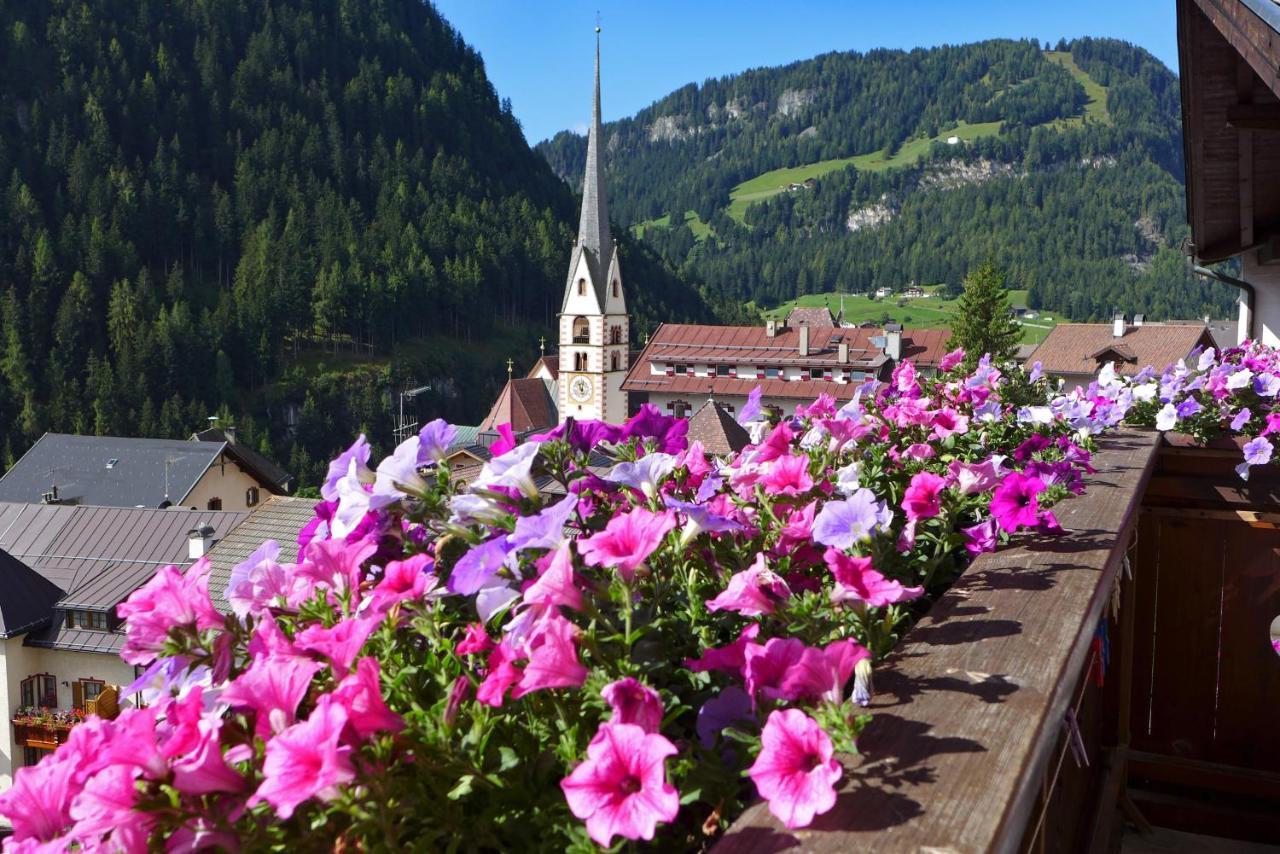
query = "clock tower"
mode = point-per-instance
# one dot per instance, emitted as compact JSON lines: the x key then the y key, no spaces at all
{"x":594,"y":328}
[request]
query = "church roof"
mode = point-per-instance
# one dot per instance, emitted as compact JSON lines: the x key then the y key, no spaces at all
{"x":551,"y":363}
{"x":717,"y":430}
{"x":525,"y":404}
{"x":594,"y":239}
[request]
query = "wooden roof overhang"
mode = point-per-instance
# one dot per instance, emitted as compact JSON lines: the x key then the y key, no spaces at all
{"x":1229,"y":53}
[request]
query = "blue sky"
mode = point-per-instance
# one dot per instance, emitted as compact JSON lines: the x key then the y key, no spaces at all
{"x":538,"y":52}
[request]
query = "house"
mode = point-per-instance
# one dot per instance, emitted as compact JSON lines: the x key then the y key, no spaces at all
{"x":1228,"y":53}
{"x":883,"y":293}
{"x":63,"y":571}
{"x":114,"y":471}
{"x":914,"y":293}
{"x":1077,"y":351}
{"x":685,"y":364}
{"x":253,"y":459}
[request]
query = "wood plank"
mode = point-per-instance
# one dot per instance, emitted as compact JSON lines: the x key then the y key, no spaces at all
{"x":969,"y":709}
{"x":1256,"y":42}
{"x":1263,"y":117}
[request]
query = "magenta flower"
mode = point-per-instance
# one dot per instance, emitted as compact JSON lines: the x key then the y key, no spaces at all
{"x":272,"y":687}
{"x":627,"y":541}
{"x":621,"y":789}
{"x":402,"y":580}
{"x":788,"y":475}
{"x":751,"y":592}
{"x":170,"y":600}
{"x":474,"y":641}
{"x":105,"y":806}
{"x":360,"y":693}
{"x":336,"y":564}
{"x":555,"y":585}
{"x":1014,"y":503}
{"x":948,"y":422}
{"x":951,"y":360}
{"x":553,"y":657}
{"x":858,"y":581}
{"x":729,"y":658}
{"x":306,"y":761}
{"x":795,"y":771}
{"x":766,"y":668}
{"x":821,"y":674}
{"x":501,"y":675}
{"x":633,"y":703}
{"x":973,"y":478}
{"x":981,"y":537}
{"x":341,"y":643}
{"x":205,"y":770}
{"x":38,"y":804}
{"x":923,"y":497}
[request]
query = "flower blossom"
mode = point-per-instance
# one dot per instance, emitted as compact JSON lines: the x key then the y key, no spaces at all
{"x":1014,"y":503}
{"x":858,"y":581}
{"x":306,"y":761}
{"x":633,"y":703}
{"x":751,"y":592}
{"x":795,"y":771}
{"x":844,"y":523}
{"x":627,"y":541}
{"x":170,"y":599}
{"x":621,"y":789}
{"x":922,"y":499}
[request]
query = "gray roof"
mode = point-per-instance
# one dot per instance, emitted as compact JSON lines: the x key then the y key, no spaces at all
{"x":593,"y":228}
{"x":26,"y":597}
{"x":108,"y":470}
{"x":99,"y":555}
{"x":56,"y":635}
{"x":278,"y":518}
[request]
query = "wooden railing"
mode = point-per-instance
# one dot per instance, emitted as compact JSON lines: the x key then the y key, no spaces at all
{"x":968,"y":745}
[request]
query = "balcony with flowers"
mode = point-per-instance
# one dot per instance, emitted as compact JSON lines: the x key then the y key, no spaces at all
{"x":936,"y":615}
{"x":44,"y":728}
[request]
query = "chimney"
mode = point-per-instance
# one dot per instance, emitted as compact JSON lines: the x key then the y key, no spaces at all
{"x":771,"y":328}
{"x":804,"y":340}
{"x":1117,"y":326}
{"x":842,"y":353}
{"x":893,"y":343}
{"x":199,"y":540}
{"x":230,"y":432}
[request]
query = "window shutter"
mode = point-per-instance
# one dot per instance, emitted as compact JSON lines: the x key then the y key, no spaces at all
{"x":77,"y":695}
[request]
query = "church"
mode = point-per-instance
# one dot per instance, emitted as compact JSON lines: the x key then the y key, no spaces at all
{"x":594,"y":374}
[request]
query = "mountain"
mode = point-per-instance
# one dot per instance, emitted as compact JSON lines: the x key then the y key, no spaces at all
{"x":282,"y":211}
{"x":853,"y":171}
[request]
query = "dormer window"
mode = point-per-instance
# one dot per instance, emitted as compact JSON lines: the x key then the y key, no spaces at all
{"x":96,"y":620}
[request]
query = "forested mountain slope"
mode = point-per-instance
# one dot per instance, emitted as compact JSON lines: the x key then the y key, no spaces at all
{"x":193,"y":194}
{"x":852,"y":171}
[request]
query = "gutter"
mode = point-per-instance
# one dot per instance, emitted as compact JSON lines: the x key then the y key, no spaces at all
{"x":1249,"y":293}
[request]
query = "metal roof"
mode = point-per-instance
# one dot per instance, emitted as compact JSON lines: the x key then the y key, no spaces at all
{"x":26,"y":597}
{"x":109,"y":471}
{"x":278,"y":518}
{"x":99,"y":555}
{"x":56,"y":635}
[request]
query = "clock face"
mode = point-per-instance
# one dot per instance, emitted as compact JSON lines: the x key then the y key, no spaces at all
{"x":580,"y":389}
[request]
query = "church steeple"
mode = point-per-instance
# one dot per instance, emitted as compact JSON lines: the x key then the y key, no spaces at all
{"x":594,"y":328}
{"x":593,"y":227}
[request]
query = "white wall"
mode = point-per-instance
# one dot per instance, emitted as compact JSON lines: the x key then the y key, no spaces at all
{"x":17,"y":662}
{"x":1266,"y":306}
{"x":226,"y":480}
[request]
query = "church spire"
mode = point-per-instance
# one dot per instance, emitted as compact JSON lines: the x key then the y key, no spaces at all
{"x":593,"y":228}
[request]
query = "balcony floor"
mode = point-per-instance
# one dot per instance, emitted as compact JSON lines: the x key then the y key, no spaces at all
{"x":1165,"y":841}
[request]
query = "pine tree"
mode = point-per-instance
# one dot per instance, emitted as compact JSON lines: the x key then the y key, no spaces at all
{"x":983,"y":322}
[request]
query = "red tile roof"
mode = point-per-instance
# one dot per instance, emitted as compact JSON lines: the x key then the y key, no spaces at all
{"x":551,"y":363}
{"x":525,"y":404}
{"x":810,"y":317}
{"x":717,"y":430}
{"x":1075,"y":348}
{"x":735,"y":387}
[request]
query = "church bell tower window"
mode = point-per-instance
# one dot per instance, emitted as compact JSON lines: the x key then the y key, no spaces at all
{"x":581,"y":331}
{"x":582,"y":287}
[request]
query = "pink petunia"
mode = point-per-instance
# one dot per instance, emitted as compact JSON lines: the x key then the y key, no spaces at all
{"x":553,"y":657}
{"x":403,"y":580}
{"x":787,"y":475}
{"x":951,"y":360}
{"x":766,"y":667}
{"x":821,"y":674}
{"x":501,"y":674}
{"x":38,"y":803}
{"x":752,"y":592}
{"x":1015,"y":504}
{"x":272,"y":687}
{"x":205,"y":769}
{"x":923,"y":498}
{"x":633,"y":703}
{"x":340,"y":643}
{"x":336,"y":564}
{"x":729,"y":658}
{"x":306,"y":761}
{"x":858,"y":581}
{"x":555,"y":586}
{"x":170,"y":599}
{"x":795,"y":771}
{"x":105,"y":806}
{"x":627,"y":541}
{"x":621,"y":788}
{"x":475,"y":640}
{"x":981,"y":537}
{"x":360,"y":693}
{"x":948,"y":422}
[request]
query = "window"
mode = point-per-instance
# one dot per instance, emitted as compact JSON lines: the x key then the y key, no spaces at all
{"x":582,"y":287}
{"x":815,"y":373}
{"x":214,"y":504}
{"x":581,"y":331}
{"x":682,"y":370}
{"x":84,"y":690}
{"x":613,"y":362}
{"x":40,"y":691}
{"x":33,"y":755}
{"x":580,"y":361}
{"x":616,"y":289}
{"x":251,"y":497}
{"x":722,"y":370}
{"x":87,"y":620}
{"x":772,"y":373}
{"x":679,"y":408}
{"x":615,"y":335}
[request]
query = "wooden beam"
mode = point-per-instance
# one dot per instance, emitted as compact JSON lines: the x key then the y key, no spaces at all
{"x":1251,"y":37}
{"x":1255,"y":117}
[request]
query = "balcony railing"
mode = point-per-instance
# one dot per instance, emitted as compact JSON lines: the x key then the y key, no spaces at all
{"x":582,"y":339}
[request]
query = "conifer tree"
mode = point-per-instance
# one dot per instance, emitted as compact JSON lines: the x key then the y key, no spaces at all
{"x":983,"y":322}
